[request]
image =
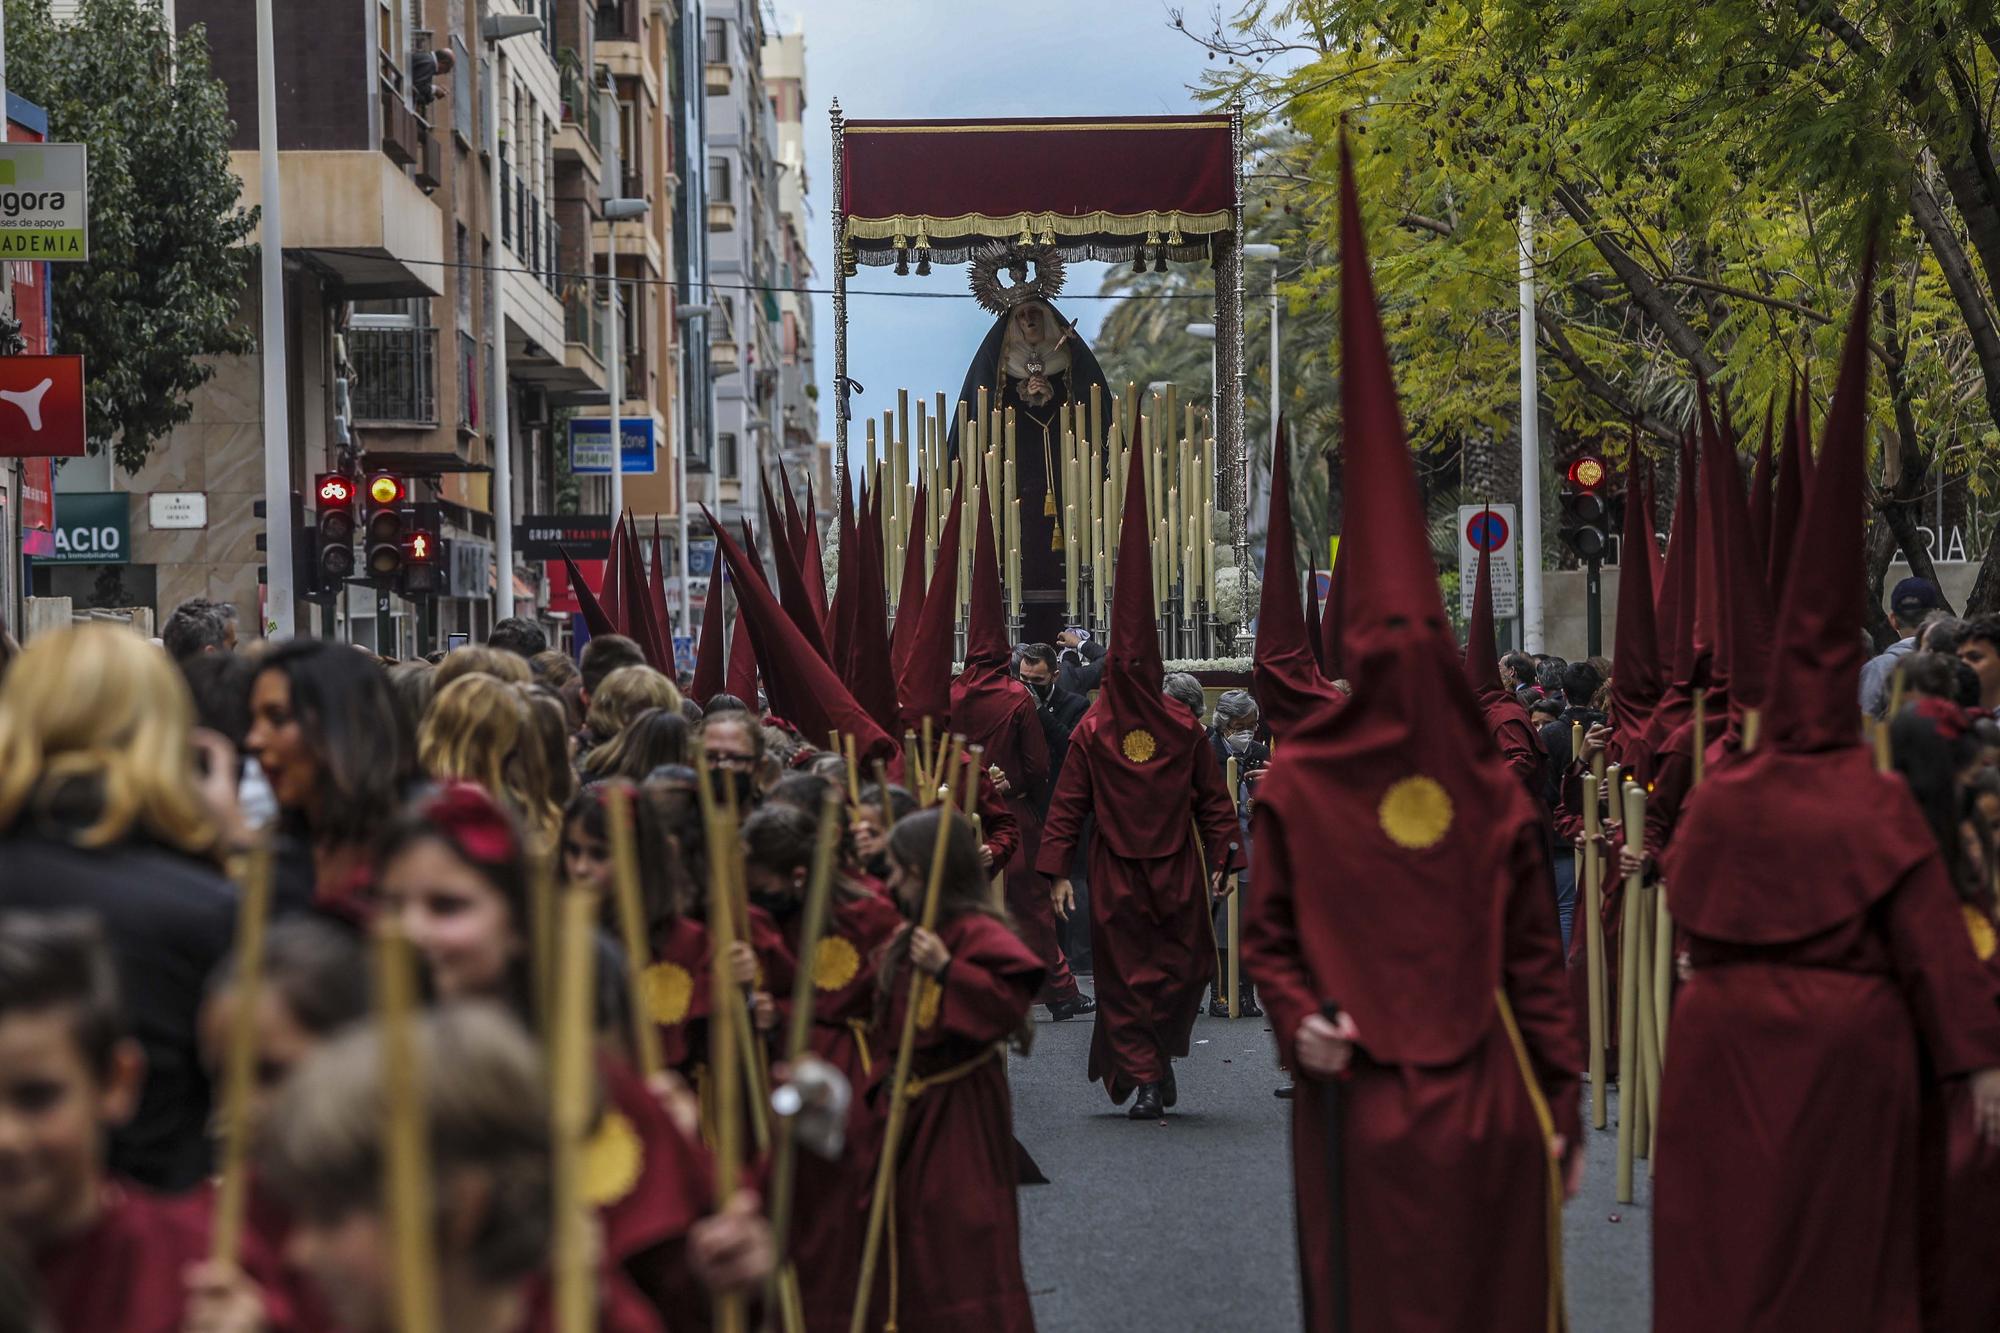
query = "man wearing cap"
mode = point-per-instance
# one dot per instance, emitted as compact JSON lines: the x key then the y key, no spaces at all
{"x":1912,"y":600}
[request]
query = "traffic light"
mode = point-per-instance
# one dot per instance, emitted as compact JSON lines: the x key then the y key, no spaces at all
{"x":420,"y":561}
{"x":382,"y":538}
{"x":333,"y":507}
{"x":1586,"y":514}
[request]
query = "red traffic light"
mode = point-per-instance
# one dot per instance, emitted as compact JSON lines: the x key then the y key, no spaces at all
{"x":1587,"y":472}
{"x":420,"y":547}
{"x":385,"y":489}
{"x":334,"y":491}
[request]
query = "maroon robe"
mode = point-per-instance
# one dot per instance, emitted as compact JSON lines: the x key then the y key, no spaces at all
{"x":126,"y":1272}
{"x":1447,"y":1172}
{"x":1151,"y":939}
{"x":826,"y":1235}
{"x":957,"y":1220}
{"x":1962,"y":1241}
{"x":647,"y":1203}
{"x":620,"y":1308}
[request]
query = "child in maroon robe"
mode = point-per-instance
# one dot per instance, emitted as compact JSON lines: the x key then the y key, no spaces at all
{"x":778,"y":846}
{"x":956,"y":1222}
{"x":105,"y":1256}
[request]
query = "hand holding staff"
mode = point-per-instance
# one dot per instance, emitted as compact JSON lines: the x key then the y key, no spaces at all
{"x":899,"y":1102}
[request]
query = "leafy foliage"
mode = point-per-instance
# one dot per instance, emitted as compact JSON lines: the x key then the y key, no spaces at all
{"x":168,"y":237}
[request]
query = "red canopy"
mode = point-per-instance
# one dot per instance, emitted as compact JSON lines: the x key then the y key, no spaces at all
{"x":1080,"y":183}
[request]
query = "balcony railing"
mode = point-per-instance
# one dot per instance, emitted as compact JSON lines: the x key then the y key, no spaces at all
{"x":617,"y":20}
{"x":581,"y":105}
{"x":468,"y":381}
{"x":395,"y":376}
{"x":552,"y":249}
{"x":506,"y":201}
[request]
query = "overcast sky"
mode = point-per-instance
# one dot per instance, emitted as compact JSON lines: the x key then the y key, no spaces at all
{"x":923,"y":58}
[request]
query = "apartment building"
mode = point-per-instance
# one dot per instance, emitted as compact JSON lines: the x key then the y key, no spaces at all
{"x":796,"y":425}
{"x":743,"y":253}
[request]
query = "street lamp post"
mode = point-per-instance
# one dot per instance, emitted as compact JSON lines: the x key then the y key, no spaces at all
{"x":279,"y":594}
{"x":686,"y":315}
{"x":615,"y":212}
{"x":494,"y":29}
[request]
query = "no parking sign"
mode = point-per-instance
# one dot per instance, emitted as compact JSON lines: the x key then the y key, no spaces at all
{"x":1489,"y":528}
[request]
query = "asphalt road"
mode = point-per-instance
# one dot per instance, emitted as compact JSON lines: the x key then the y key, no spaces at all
{"x":1186,"y":1227}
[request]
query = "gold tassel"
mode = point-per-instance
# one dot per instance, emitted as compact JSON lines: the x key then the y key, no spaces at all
{"x":1048,"y":504}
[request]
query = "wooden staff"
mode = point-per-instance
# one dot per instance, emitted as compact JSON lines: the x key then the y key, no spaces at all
{"x":723,"y":1052}
{"x":899,"y":1101}
{"x":542,"y":935}
{"x":240,"y":1064}
{"x":1753,"y":722}
{"x":784,"y":1165}
{"x":923,"y":776}
{"x":1233,"y":774}
{"x":975,"y":761}
{"x":1593,"y":947}
{"x":1628,"y":993}
{"x":632,"y":927}
{"x":853,"y":768}
{"x":406,"y":1153}
{"x":571,"y":1084}
{"x":1639,"y":921}
{"x":756,"y":1074}
{"x":1663,"y":988}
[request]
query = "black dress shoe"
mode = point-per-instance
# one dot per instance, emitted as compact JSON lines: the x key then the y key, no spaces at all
{"x":1247,"y":1004}
{"x":1169,"y":1094}
{"x":1284,"y":1093}
{"x":1064,"y":1010}
{"x":1218,"y":1007}
{"x":1146,"y":1106}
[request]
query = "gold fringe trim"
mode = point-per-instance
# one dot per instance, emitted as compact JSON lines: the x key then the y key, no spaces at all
{"x":850,"y":129}
{"x":1023,"y":227}
{"x":1558,"y":1318}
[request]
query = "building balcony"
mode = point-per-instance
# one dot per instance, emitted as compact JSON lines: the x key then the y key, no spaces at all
{"x":722,"y":358}
{"x":395,"y":376}
{"x":582,"y":125}
{"x":721,"y":215}
{"x":717,"y":79}
{"x":358,"y":216}
{"x":618,"y":20}
{"x":584,"y":322}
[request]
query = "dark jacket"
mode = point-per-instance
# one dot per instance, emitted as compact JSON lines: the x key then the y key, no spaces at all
{"x":1058,"y":712}
{"x":1081,"y":670}
{"x":169,"y":919}
{"x":1555,"y":740}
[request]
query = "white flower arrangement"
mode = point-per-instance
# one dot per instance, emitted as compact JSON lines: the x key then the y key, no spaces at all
{"x":1200,"y":664}
{"x":1237,"y":591}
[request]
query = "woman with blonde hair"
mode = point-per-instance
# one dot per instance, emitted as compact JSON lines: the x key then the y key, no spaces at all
{"x":479,"y":730}
{"x":624,"y":694}
{"x":102,"y":811}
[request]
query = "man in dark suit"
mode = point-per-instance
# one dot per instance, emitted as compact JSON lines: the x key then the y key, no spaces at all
{"x":1059,"y":709}
{"x":1080,"y":667}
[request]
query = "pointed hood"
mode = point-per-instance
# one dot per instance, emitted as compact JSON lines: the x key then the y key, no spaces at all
{"x":594,"y":617}
{"x":795,"y":526}
{"x":923,"y":686}
{"x":815,"y":568}
{"x":1674,"y":618}
{"x":869,"y":672}
{"x":741,"y":677}
{"x":1482,"y":644}
{"x":1789,"y":501}
{"x":750,"y":549}
{"x":840,"y":611}
{"x":1832,"y":834}
{"x":1285,"y":665}
{"x":611,"y":592}
{"x":710,"y":672}
{"x":988,"y":706}
{"x":656,"y":605}
{"x":803,"y":689}
{"x":986,"y":646}
{"x":1637,"y":676}
{"x":1314,"y":629}
{"x":1142,"y":745}
{"x":1743,"y":654}
{"x":1708,"y":565}
{"x":1762,"y":497}
{"x":1398,"y":917}
{"x":909,"y":598}
{"x":1331,"y":658}
{"x":792,"y":594}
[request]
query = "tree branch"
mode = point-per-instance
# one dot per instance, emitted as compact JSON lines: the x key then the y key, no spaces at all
{"x":1646,"y":294}
{"x":1594,"y":383}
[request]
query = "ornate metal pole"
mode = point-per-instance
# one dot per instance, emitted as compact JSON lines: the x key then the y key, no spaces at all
{"x":1229,"y":371}
{"x":840,"y":404}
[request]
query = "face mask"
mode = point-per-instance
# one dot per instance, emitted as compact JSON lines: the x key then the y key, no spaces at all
{"x":1041,"y":691}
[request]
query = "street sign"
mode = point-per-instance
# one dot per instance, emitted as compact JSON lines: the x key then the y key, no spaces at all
{"x":701,"y":561}
{"x":177,"y":509}
{"x":1489,"y":528}
{"x":590,"y":446}
{"x":92,"y":529}
{"x":471,"y":570}
{"x":547,"y":536}
{"x":44,"y":202}
{"x":41,"y":406}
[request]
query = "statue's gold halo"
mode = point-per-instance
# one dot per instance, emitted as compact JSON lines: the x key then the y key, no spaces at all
{"x":1139,"y":745}
{"x":1415,"y":813}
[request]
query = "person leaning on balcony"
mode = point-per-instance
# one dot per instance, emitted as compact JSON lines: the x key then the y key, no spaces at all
{"x":425,"y":66}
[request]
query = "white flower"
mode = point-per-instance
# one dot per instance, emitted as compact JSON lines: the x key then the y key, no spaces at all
{"x":1236,"y":594}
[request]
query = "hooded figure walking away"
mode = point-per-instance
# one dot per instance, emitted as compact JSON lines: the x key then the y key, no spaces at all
{"x":1403,"y":941}
{"x":1827,"y":954}
{"x":1166,"y":834}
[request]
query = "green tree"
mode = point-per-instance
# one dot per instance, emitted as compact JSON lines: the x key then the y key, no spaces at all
{"x":168,"y":237}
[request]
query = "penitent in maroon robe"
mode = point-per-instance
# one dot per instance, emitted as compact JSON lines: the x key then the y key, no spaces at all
{"x":1150,"y":936}
{"x":1962,"y":1206}
{"x":826,"y":1236}
{"x":957,"y":1223}
{"x":128,"y":1270}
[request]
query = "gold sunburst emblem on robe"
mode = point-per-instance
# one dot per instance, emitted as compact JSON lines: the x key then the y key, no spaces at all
{"x":669,"y":991}
{"x":1980,"y":927}
{"x":611,"y":1161}
{"x":1139,"y":745}
{"x":1415,"y":813}
{"x":835,"y":963}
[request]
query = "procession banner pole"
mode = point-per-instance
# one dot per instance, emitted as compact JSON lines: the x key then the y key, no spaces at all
{"x":899,"y":1104}
{"x":632,"y":926}
{"x":1593,"y":948}
{"x":1233,"y":774}
{"x":570,"y":1090}
{"x":240,"y":1067}
{"x":1628,"y":994}
{"x":784,"y":1165}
